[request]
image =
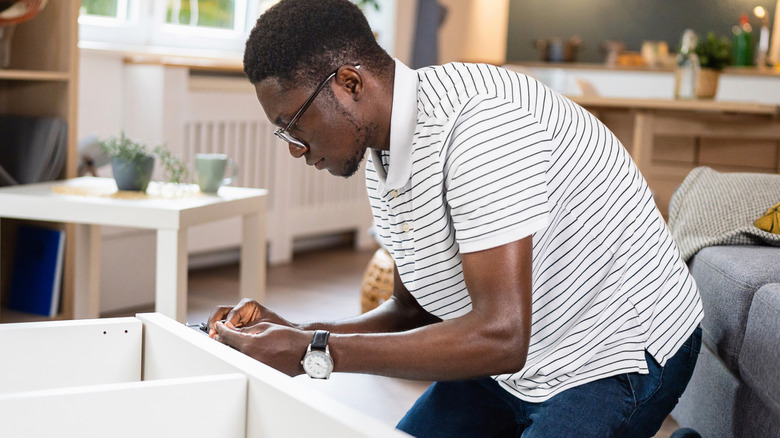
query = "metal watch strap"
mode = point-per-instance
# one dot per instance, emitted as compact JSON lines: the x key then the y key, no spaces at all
{"x":320,"y":341}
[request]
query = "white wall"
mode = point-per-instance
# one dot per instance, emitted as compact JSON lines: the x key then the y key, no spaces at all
{"x":101,"y":93}
{"x":125,"y":252}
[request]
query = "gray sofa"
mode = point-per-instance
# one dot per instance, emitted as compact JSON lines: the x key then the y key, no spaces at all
{"x":735,"y":388}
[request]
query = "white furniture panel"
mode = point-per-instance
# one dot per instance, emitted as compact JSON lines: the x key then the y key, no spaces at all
{"x":164,"y":409}
{"x":154,"y":377}
{"x":58,"y":354}
{"x":277,"y":404}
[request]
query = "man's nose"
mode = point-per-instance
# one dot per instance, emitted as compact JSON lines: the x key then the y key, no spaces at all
{"x":297,"y":150}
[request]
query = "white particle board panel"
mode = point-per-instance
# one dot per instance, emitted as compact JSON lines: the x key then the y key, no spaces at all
{"x":56,"y":354}
{"x":152,"y":376}
{"x":163,"y":408}
{"x":277,"y":405}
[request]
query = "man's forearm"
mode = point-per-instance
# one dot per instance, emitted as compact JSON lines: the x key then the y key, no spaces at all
{"x":466,"y":347}
{"x":391,"y":316}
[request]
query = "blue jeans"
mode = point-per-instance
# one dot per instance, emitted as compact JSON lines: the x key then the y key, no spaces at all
{"x":626,"y":405}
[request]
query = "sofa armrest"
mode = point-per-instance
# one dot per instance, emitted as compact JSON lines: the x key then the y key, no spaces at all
{"x":759,"y":360}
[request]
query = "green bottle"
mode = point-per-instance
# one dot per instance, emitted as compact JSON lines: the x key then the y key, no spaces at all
{"x":743,"y":42}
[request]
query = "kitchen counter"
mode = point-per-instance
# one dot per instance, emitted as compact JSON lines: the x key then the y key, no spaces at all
{"x":683,"y":105}
{"x":576,"y":79}
{"x":741,"y":71}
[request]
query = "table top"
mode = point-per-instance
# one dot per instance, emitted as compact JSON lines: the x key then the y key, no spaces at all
{"x":700,"y":105}
{"x":96,"y":201}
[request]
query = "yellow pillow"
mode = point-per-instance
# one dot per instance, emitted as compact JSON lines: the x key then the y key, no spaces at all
{"x":771,"y":220}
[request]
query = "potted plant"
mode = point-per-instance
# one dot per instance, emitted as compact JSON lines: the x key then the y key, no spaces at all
{"x":131,"y":162}
{"x":714,"y":55}
{"x":175,"y":170}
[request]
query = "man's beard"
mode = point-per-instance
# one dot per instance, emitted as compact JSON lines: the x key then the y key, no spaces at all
{"x":362,"y":135}
{"x":353,"y":164}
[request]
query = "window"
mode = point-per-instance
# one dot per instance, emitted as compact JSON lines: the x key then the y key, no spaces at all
{"x":203,"y":24}
{"x":220,"y":25}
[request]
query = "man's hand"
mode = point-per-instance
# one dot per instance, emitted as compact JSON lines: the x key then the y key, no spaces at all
{"x":278,"y":346}
{"x":246,"y":313}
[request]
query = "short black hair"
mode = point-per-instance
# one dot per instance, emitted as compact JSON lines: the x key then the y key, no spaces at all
{"x":300,"y":42}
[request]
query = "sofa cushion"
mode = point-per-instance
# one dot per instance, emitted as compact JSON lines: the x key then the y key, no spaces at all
{"x":728,"y":277}
{"x":760,"y":355}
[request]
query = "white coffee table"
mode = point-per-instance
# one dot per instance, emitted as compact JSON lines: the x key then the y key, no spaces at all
{"x":91,"y":202}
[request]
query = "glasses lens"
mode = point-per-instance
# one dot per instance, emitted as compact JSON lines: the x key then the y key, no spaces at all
{"x":287,"y":137}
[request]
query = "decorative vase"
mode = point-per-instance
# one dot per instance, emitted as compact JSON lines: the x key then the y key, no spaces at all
{"x":133,"y":175}
{"x":707,"y":84}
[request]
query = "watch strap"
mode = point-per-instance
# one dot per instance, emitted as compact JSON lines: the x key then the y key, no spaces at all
{"x":320,"y":340}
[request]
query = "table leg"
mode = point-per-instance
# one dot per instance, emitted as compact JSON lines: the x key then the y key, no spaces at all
{"x":253,"y":257}
{"x":642,"y":147}
{"x":86,"y":287}
{"x":171,"y":287}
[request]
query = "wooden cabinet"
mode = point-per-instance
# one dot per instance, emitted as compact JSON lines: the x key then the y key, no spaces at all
{"x":668,"y":138}
{"x":42,"y":80}
{"x":738,"y":131}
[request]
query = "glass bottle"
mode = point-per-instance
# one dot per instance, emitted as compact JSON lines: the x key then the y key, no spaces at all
{"x":743,"y":43}
{"x":687,"y":71}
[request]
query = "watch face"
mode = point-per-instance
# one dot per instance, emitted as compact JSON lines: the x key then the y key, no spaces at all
{"x":317,"y":364}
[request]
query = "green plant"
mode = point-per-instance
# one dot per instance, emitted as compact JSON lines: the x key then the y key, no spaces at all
{"x":127,"y":154}
{"x":175,"y":170}
{"x":134,"y":151}
{"x":364,"y":4}
{"x":714,"y":52}
{"x":124,"y":148}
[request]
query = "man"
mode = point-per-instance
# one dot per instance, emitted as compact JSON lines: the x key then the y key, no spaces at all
{"x":535,"y":280}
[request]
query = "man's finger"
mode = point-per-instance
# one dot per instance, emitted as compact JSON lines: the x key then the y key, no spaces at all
{"x":226,"y":335}
{"x":235,"y":317}
{"x":218,"y":315}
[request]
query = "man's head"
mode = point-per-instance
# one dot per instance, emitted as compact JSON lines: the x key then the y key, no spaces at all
{"x":296,"y":46}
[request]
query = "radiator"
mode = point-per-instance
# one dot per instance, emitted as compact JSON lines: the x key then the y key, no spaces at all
{"x":302,"y":201}
{"x":194,"y":112}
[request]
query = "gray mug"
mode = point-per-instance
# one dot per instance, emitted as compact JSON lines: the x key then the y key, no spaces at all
{"x":210,"y":171}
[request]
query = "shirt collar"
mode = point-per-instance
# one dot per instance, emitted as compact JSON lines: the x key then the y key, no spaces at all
{"x":403,"y":121}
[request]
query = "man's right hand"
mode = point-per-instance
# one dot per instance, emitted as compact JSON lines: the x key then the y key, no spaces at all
{"x":246,"y":313}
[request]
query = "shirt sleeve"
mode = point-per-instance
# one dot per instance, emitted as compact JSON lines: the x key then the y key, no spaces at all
{"x":496,"y":174}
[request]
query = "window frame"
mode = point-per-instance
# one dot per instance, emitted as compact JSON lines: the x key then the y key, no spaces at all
{"x":143,"y":28}
{"x":144,"y":24}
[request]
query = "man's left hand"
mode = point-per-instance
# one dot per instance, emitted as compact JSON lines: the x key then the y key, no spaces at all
{"x":275,"y":345}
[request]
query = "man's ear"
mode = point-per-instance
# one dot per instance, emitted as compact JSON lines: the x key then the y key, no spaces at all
{"x":349,"y":78}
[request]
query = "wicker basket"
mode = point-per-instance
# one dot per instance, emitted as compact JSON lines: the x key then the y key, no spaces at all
{"x":377,"y":284}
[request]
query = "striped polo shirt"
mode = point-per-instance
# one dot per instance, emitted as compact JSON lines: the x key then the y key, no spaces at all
{"x":481,"y":156}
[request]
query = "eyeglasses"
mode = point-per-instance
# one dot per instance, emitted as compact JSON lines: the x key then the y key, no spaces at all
{"x":284,"y":133}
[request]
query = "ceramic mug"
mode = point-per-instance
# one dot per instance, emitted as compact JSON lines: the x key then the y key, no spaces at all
{"x":210,"y":171}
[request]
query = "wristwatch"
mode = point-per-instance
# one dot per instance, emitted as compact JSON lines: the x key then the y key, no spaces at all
{"x":317,"y":361}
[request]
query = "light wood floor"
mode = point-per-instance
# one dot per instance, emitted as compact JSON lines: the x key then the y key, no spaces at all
{"x":320,"y":285}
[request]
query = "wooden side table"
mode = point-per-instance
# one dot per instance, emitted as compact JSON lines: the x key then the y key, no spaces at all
{"x":92,"y":202}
